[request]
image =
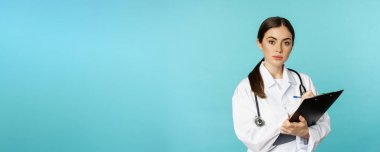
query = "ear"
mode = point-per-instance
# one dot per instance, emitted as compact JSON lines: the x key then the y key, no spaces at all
{"x":260,"y":45}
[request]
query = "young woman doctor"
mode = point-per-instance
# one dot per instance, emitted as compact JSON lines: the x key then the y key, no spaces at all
{"x":263,"y":102}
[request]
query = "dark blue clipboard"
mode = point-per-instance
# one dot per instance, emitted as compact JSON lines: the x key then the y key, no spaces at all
{"x":312,"y":110}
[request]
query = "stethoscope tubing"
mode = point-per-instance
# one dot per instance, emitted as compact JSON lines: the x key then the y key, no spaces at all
{"x":258,"y":120}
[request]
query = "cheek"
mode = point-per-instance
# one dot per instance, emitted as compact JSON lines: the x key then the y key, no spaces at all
{"x":287,"y":50}
{"x":267,"y":51}
{"x":268,"y":48}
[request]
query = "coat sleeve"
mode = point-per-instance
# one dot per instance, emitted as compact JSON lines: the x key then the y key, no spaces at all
{"x":321,"y":129}
{"x":244,"y":112}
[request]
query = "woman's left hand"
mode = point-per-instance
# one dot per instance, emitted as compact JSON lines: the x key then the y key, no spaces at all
{"x":296,"y":128}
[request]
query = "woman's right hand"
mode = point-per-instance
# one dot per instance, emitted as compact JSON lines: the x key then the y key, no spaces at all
{"x":307,"y":94}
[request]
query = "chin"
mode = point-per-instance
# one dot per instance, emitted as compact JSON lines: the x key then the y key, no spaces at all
{"x":277,"y":62}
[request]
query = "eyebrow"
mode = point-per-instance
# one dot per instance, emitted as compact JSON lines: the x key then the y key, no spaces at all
{"x":276,"y":38}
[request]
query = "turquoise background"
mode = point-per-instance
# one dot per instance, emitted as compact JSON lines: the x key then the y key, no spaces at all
{"x":99,"y":76}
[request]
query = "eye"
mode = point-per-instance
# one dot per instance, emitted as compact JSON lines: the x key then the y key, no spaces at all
{"x":271,"y":42}
{"x":287,"y":43}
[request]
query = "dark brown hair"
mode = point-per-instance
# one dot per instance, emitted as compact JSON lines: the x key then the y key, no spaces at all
{"x":255,"y":79}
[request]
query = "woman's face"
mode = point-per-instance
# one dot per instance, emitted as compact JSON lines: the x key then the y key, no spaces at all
{"x":276,"y":45}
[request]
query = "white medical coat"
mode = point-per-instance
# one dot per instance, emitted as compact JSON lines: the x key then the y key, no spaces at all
{"x":274,"y":110}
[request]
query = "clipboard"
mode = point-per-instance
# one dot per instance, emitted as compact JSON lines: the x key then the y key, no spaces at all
{"x":312,"y":110}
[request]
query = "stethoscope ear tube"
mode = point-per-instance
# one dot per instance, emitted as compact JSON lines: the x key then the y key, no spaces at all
{"x":302,"y":87}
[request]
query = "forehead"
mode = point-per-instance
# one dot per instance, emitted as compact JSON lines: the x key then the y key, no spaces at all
{"x":278,"y":32}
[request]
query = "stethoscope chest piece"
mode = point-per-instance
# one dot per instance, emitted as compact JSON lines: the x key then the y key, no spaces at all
{"x":259,"y":122}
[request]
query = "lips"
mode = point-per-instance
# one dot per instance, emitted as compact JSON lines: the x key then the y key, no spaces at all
{"x":277,"y":57}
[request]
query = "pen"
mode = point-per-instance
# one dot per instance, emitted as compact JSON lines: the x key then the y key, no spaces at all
{"x":296,"y":97}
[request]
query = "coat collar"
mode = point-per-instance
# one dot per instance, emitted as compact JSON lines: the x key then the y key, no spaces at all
{"x":269,"y":80}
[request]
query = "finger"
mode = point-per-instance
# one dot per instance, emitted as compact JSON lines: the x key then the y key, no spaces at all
{"x":282,"y":130}
{"x":287,"y":125}
{"x":302,"y":119}
{"x":292,"y":125}
{"x":298,"y":125}
{"x":310,"y":93}
{"x":285,"y":130}
{"x":290,"y":115}
{"x":307,"y":94}
{"x":302,"y":123}
{"x":286,"y":122}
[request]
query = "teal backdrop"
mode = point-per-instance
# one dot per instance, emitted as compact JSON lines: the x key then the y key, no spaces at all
{"x":138,"y":76}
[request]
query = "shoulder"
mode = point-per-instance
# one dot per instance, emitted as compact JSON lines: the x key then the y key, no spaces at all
{"x":242,"y":92}
{"x":244,"y":87}
{"x":244,"y":84}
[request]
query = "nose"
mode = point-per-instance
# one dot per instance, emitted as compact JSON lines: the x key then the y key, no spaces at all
{"x":278,"y":48}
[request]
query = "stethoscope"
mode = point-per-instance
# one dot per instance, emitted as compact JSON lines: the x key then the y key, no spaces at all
{"x":260,"y":121}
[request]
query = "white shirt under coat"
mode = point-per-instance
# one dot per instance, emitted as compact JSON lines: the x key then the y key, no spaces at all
{"x":274,"y":110}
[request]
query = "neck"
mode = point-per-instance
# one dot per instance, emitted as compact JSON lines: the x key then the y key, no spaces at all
{"x":275,"y":71}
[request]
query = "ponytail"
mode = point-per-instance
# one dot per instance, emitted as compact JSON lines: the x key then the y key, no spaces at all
{"x":256,"y":81}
